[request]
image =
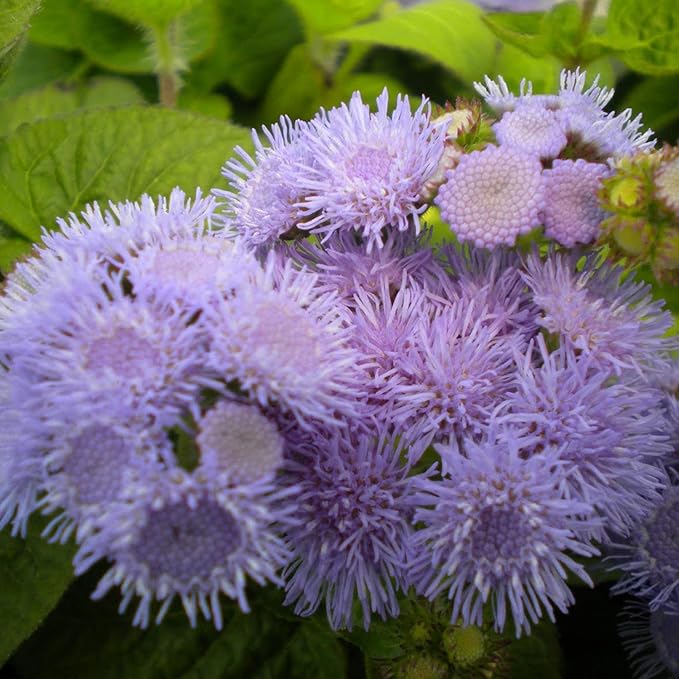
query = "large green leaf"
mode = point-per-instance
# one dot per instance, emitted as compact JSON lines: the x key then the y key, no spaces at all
{"x":47,"y":101}
{"x":112,"y":42}
{"x":55,"y":166}
{"x":451,"y":32}
{"x":254,"y":38}
{"x":146,"y":12}
{"x":645,"y":34}
{"x":83,"y":639}
{"x":14,"y":18}
{"x":326,"y":16}
{"x":34,"y":575}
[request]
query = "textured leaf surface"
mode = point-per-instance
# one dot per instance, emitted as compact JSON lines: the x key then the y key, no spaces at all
{"x":645,"y":34}
{"x":51,"y":100}
{"x":146,"y":12}
{"x":451,"y":32}
{"x":34,"y":576}
{"x":14,"y":18}
{"x":56,"y":166}
{"x":83,"y":639}
{"x":325,"y":16}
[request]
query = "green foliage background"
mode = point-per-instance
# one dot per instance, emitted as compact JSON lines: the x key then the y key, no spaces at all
{"x":108,"y":99}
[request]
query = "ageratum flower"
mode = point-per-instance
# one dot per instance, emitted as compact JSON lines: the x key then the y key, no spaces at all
{"x":492,"y":196}
{"x":609,"y":437}
{"x":532,"y":128}
{"x":181,"y":535}
{"x":369,"y":168}
{"x":456,"y":370}
{"x":591,"y":132}
{"x":22,"y":438}
{"x":598,"y":313}
{"x":495,"y":531}
{"x":94,"y":342}
{"x":351,"y":543}
{"x":649,"y":558}
{"x":651,"y":640}
{"x":285,"y":343}
{"x":263,"y":201}
{"x":571,"y":211}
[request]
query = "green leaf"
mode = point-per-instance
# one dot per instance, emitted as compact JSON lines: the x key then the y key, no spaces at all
{"x":34,"y":575}
{"x":515,"y":65}
{"x":82,"y":639}
{"x":215,"y":105}
{"x":326,"y":16}
{"x":56,"y":166}
{"x":297,"y":88}
{"x":146,"y":12}
{"x":254,"y":39}
{"x":36,"y":66}
{"x":644,"y":34}
{"x":536,"y":656}
{"x":14,"y":19}
{"x":382,"y":641}
{"x":654,"y":97}
{"x":113,"y":43}
{"x":451,"y":32}
{"x":12,"y":249}
{"x":520,"y":29}
{"x":53,"y":99}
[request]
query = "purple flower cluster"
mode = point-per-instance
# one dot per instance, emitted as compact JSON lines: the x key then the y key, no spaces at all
{"x":356,"y":416}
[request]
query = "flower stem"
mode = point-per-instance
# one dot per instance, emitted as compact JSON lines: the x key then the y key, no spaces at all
{"x":168,"y":62}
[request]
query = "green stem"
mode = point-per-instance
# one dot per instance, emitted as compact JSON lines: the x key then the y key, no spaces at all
{"x":165,"y":43}
{"x":588,"y":11}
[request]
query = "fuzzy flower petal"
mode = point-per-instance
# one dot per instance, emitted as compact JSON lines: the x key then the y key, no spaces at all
{"x":533,"y":129}
{"x":369,"y":168}
{"x":492,"y":196}
{"x":495,"y":531}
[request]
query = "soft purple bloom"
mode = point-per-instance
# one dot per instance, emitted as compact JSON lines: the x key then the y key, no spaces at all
{"x":533,"y":129}
{"x":22,"y":438}
{"x":236,"y":438}
{"x":369,"y":168}
{"x":608,"y":436}
{"x":580,"y":110}
{"x":651,"y":639}
{"x":286,"y":344}
{"x":263,"y":202}
{"x":495,"y":531}
{"x":649,"y":558}
{"x":492,"y":196}
{"x":181,"y":535}
{"x":354,"y":509}
{"x":597,"y":312}
{"x":457,"y":367}
{"x":571,"y":212}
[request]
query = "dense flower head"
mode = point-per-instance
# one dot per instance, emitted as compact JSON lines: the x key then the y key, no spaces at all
{"x":601,"y":314}
{"x":651,"y":639}
{"x":354,"y":509}
{"x":492,"y":196}
{"x":263,"y":201}
{"x":451,"y":377}
{"x":607,"y":436}
{"x":180,"y":534}
{"x":285,"y":343}
{"x":493,"y":529}
{"x":580,"y":114}
{"x":571,"y":212}
{"x":667,"y":184}
{"x":369,"y":168}
{"x":532,"y":128}
{"x":649,"y":558}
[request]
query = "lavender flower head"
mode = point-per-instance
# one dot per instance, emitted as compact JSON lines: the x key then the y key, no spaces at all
{"x":369,"y":168}
{"x":494,"y":530}
{"x":263,"y":201}
{"x":595,"y":311}
{"x":609,"y":438}
{"x":649,"y":558}
{"x":492,"y":196}
{"x":354,"y":510}
{"x":651,"y":640}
